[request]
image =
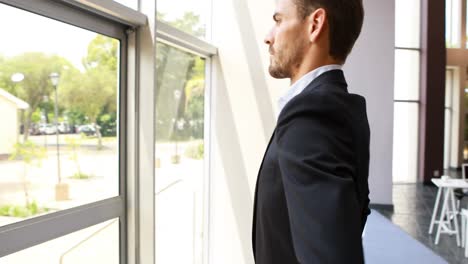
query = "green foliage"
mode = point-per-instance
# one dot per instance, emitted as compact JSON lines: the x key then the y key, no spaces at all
{"x":74,"y":144}
{"x":81,"y":176}
{"x":22,"y":211}
{"x":195,"y":151}
{"x":108,"y":125}
{"x":36,"y":68}
{"x":36,"y":116}
{"x":28,"y":152}
{"x":180,"y":73}
{"x":102,"y":53}
{"x":94,"y":92}
{"x":189,"y":23}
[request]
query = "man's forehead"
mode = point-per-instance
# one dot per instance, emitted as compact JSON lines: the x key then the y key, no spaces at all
{"x":284,"y":6}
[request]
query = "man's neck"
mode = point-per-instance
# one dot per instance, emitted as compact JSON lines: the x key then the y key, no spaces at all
{"x":309,"y":65}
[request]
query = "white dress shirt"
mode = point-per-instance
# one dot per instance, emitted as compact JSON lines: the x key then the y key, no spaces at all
{"x":302,"y":83}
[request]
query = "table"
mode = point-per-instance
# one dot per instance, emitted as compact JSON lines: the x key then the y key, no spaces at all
{"x":449,"y":210}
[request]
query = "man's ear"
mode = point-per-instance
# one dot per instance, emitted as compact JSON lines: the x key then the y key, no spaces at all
{"x":316,"y":21}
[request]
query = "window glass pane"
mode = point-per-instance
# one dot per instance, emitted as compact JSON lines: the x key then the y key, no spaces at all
{"x":187,"y":15}
{"x":95,"y":244}
{"x":179,"y":162}
{"x":405,"y":142}
{"x":452,"y":23}
{"x":406,"y":74}
{"x":129,"y":3}
{"x":449,"y":86}
{"x":46,"y":165}
{"x":407,"y":23}
{"x":447,"y":137}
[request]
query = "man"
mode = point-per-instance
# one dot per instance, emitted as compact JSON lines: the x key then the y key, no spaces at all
{"x":311,"y":200}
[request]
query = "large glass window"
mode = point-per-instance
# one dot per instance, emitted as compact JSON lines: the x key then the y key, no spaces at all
{"x":180,"y":152}
{"x":59,"y":103}
{"x":405,"y":147}
{"x":406,"y":74}
{"x":407,"y":23}
{"x":406,"y":91}
{"x":95,"y":244}
{"x":189,"y":16}
{"x":453,"y":23}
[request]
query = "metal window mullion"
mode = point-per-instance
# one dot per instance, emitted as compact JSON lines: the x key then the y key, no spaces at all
{"x":407,"y":101}
{"x":122,"y":147}
{"x":175,"y":37}
{"x":34,"y":231}
{"x":111,"y":10}
{"x":207,"y":159}
{"x":57,"y":10}
{"x":408,"y":48}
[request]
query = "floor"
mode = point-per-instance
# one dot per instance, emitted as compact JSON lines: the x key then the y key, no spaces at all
{"x":412,"y":212}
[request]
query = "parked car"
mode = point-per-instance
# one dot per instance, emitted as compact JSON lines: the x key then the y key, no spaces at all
{"x":88,"y":130}
{"x":50,"y":129}
{"x":64,"y":128}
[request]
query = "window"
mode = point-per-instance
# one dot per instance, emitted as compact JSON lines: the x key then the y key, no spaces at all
{"x":406,"y":74}
{"x":407,"y":23}
{"x":95,"y":244}
{"x":406,"y":91}
{"x":180,"y":154}
{"x":54,"y":162}
{"x":62,"y":97}
{"x":453,"y":23}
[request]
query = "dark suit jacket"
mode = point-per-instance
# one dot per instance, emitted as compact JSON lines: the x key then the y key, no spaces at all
{"x":311,"y":198}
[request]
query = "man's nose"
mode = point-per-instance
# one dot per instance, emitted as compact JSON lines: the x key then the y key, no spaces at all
{"x":269,"y":38}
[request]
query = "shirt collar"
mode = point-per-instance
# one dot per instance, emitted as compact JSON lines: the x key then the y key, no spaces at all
{"x":303,"y":82}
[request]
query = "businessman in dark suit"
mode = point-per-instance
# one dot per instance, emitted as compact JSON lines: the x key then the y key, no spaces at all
{"x":311,"y":198}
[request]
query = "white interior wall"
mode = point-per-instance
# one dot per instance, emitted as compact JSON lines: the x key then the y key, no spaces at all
{"x":458,"y":58}
{"x":244,"y":112}
{"x":370,"y":72}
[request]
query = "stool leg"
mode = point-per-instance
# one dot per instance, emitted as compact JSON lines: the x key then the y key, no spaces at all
{"x":455,"y":217}
{"x":434,"y":212}
{"x":466,"y":241}
{"x":463,"y":228}
{"x":442,"y":214}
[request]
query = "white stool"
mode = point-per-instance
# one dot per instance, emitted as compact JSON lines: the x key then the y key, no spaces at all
{"x":447,"y":222}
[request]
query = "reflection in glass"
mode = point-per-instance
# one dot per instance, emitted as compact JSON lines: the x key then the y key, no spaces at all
{"x":179,"y":161}
{"x":186,"y":15}
{"x":129,"y":3}
{"x":95,"y":244}
{"x":58,"y":142}
{"x":405,"y":142}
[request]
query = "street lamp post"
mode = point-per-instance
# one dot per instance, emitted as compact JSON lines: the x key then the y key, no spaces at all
{"x":54,"y":77}
{"x":61,"y":190}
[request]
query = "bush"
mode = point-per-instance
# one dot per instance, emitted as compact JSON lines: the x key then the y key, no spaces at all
{"x":108,"y":125}
{"x":81,"y":176}
{"x":195,"y":151}
{"x":22,"y":211}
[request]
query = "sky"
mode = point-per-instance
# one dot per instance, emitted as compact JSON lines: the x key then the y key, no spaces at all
{"x":28,"y":32}
{"x":22,"y":31}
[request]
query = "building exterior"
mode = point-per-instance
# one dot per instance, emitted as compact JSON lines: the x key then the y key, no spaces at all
{"x":10,"y":106}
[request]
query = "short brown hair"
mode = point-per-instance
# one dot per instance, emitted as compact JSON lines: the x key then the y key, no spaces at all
{"x":345,"y":18}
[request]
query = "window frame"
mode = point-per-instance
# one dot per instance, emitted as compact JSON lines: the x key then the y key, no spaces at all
{"x":181,"y":40}
{"x":30,"y":232}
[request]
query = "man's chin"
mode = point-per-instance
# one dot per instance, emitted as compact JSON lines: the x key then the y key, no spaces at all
{"x":277,"y":73}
